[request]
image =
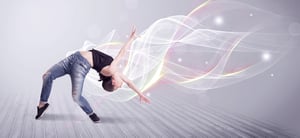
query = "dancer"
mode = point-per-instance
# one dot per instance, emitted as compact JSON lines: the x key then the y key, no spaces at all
{"x":77,"y":66}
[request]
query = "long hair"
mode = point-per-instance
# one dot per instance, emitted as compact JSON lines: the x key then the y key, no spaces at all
{"x":107,"y":85}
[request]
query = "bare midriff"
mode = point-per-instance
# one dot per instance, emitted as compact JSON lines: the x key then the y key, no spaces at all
{"x":88,"y":55}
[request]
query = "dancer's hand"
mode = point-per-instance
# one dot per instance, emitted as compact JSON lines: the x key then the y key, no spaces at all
{"x":133,"y":33}
{"x":144,"y":98}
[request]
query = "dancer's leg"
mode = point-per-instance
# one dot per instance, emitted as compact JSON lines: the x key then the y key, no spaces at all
{"x":77,"y":84}
{"x":78,"y":73}
{"x":54,"y":72}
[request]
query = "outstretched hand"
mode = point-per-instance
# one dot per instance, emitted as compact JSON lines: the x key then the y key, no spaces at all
{"x":144,"y":98}
{"x":133,"y":33}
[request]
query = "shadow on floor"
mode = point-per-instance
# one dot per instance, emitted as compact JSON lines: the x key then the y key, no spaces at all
{"x":62,"y":117}
{"x":116,"y":120}
{"x":74,"y":117}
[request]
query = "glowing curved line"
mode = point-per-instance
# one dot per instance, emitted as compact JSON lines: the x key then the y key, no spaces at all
{"x":148,"y":58}
{"x":215,"y":67}
{"x":199,"y":7}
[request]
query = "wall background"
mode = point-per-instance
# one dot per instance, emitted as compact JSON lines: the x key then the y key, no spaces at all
{"x":36,"y":34}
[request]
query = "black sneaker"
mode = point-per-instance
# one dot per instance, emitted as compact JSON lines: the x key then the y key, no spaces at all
{"x":41,"y":110}
{"x":94,"y":118}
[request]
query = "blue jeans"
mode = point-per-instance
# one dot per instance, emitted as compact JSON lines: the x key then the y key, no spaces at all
{"x":77,"y":67}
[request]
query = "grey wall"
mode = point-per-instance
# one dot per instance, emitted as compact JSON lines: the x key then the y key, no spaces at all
{"x":36,"y":34}
{"x":266,"y":97}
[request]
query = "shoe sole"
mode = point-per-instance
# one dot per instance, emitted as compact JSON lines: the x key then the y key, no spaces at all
{"x":97,"y":121}
{"x":44,"y":111}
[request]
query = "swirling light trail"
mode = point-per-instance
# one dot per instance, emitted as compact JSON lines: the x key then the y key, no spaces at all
{"x":231,"y":51}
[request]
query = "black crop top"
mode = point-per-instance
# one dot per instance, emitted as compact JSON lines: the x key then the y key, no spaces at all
{"x":100,"y":60}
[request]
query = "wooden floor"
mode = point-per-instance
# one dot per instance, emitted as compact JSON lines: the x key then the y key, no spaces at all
{"x":166,"y":116}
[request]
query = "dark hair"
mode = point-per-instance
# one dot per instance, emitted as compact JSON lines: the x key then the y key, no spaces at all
{"x":106,"y":82}
{"x":107,"y":85}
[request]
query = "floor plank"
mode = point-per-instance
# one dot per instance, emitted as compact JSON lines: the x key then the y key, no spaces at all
{"x":166,"y":116}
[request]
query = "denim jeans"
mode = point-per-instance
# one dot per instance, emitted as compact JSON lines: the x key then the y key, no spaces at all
{"x":77,"y":67}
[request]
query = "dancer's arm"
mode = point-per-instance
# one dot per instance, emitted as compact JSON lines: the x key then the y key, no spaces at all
{"x":131,"y":85}
{"x":124,"y":49}
{"x":112,"y":68}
